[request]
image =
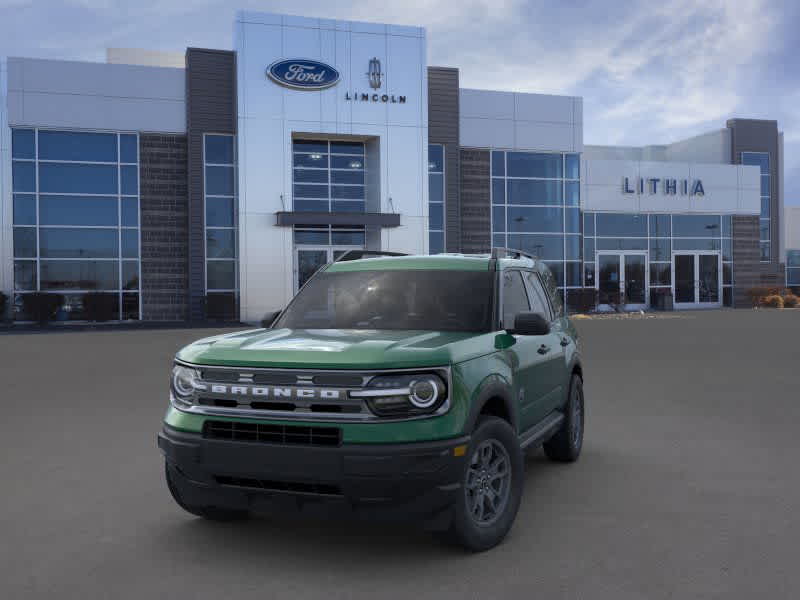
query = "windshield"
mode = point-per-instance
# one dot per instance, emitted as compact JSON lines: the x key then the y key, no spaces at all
{"x":435,"y":300}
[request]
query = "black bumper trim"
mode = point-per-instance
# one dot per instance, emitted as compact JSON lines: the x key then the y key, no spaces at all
{"x":420,"y":477}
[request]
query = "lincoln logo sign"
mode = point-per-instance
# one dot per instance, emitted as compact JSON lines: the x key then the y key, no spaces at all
{"x":302,"y":74}
{"x":669,"y":187}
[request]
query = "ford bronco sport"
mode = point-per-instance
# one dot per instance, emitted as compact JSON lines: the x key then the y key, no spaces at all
{"x":390,"y":385}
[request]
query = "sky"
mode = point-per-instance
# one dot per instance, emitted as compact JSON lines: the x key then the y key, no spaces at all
{"x":650,"y":72}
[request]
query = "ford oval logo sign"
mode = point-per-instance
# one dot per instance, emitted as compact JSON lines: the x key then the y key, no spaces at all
{"x":303,"y":74}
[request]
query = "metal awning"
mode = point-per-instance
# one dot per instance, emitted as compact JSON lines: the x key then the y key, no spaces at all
{"x":287,"y":219}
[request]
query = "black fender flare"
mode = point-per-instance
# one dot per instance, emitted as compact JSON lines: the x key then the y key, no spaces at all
{"x":493,"y":386}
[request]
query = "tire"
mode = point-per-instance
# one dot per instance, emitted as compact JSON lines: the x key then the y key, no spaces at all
{"x":482,"y":518}
{"x":212,"y":513}
{"x":566,"y":444}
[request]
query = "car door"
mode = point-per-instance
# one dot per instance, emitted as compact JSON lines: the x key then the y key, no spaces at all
{"x":528,"y":357}
{"x":556,"y":358}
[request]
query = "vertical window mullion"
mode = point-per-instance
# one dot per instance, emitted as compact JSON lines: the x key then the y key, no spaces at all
{"x":119,"y":230}
{"x":36,"y":188}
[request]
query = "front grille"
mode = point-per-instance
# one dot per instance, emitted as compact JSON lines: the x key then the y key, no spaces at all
{"x":272,"y":434}
{"x":296,"y":487}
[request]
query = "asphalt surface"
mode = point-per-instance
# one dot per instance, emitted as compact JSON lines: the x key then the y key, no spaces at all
{"x":688,"y":485}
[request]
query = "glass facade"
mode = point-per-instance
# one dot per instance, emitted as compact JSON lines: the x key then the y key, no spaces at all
{"x":761,"y":160}
{"x":221,"y":223}
{"x":328,"y":176}
{"x":660,"y":235}
{"x":76,"y":219}
{"x":793,"y":268}
{"x":436,"y":198}
{"x":536,"y":209}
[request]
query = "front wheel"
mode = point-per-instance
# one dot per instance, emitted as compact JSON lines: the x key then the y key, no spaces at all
{"x":566,"y":444}
{"x":491,"y":487}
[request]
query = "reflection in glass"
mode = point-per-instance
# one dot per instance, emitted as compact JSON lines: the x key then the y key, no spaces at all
{"x":24,"y":275}
{"x":531,"y":164}
{"x":221,"y":274}
{"x":531,"y":191}
{"x":25,"y":242}
{"x":67,"y":178}
{"x":684,"y":278}
{"x":77,"y":210}
{"x":621,"y":225}
{"x":80,"y":275}
{"x":77,"y":146}
{"x":24,"y":209}
{"x":220,"y":243}
{"x":219,"y":149}
{"x":78,"y":243}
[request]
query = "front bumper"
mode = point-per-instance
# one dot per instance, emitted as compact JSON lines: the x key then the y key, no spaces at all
{"x":394,"y":480}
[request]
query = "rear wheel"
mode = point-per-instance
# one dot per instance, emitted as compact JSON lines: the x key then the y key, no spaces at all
{"x":566,"y":444}
{"x":212,"y":513}
{"x":487,"y":504}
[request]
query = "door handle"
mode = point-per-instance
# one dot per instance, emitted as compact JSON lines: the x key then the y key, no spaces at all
{"x":543,"y":349}
{"x":565,"y":341}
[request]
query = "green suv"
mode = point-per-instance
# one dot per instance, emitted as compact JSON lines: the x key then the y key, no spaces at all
{"x":390,"y":386}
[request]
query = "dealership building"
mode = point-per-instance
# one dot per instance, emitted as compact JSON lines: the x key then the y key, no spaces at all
{"x":212,"y":183}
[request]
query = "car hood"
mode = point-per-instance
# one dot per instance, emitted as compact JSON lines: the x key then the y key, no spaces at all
{"x":334,"y":349}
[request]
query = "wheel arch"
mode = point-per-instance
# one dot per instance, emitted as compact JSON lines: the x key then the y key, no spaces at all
{"x":493,"y":398}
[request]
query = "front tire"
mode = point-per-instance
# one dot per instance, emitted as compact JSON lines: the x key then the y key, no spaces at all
{"x":491,"y":489}
{"x":566,"y":444}
{"x":212,"y":513}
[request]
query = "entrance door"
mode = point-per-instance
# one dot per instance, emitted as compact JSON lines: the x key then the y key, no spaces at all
{"x":697,"y":279}
{"x":308,"y":261}
{"x":622,"y":280}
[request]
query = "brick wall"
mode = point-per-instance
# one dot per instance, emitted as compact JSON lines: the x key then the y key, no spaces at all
{"x":476,"y":216}
{"x":165,"y":231}
{"x":746,"y":253}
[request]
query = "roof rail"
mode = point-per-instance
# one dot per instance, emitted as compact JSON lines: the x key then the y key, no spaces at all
{"x":358,"y":254}
{"x":499,"y":252}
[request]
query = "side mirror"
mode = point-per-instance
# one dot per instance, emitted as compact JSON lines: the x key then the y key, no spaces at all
{"x":269,"y":319}
{"x":530,"y":323}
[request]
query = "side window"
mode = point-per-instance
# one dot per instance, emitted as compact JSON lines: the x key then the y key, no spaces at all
{"x":515,"y":300}
{"x":552,"y":292}
{"x":537,"y":295}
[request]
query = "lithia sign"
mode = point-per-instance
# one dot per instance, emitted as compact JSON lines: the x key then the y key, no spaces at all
{"x":306,"y":74}
{"x":667,"y":186}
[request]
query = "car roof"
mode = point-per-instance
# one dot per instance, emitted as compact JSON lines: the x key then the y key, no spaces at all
{"x":445,"y":262}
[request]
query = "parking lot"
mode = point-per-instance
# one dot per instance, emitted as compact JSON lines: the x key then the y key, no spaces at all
{"x":688,"y":486}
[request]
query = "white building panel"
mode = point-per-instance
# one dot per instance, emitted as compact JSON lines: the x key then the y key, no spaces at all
{"x":55,"y":93}
{"x":270,"y":115}
{"x":485,"y":104}
{"x":725,"y":190}
{"x":545,"y":136}
{"x":534,"y":121}
{"x":486,"y":133}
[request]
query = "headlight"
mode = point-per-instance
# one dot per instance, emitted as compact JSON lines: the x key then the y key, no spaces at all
{"x":404,"y":394}
{"x":183,"y":383}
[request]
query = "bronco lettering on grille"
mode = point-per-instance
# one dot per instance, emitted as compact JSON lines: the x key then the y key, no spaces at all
{"x":269,"y":391}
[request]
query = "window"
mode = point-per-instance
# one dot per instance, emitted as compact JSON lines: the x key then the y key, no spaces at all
{"x":660,"y":234}
{"x":394,"y":299}
{"x":328,"y":176}
{"x":436,"y":198}
{"x":793,"y":268}
{"x":219,"y":156}
{"x":762,"y":160}
{"x":76,"y":218}
{"x":536,"y":209}
{"x":537,"y":295}
{"x":515,"y":299}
